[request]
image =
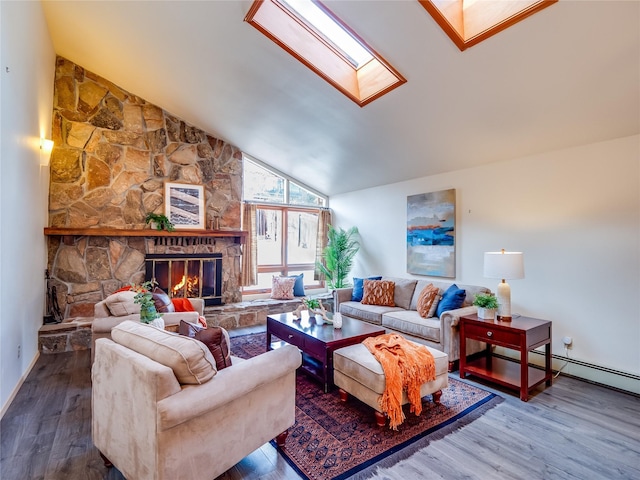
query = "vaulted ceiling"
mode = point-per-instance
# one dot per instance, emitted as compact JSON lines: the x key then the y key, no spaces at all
{"x":566,"y":76}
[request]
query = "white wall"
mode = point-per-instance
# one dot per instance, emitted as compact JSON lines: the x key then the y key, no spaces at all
{"x":574,"y":213}
{"x":27,"y":72}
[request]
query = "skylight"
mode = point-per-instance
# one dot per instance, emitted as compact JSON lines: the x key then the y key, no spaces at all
{"x":331,"y":30}
{"x":468,"y":22}
{"x":310,"y":32}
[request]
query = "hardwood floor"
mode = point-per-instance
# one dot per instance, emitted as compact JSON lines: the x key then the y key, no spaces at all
{"x":570,"y":430}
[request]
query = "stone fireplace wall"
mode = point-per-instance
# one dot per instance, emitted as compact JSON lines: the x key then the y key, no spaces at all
{"x":113,"y":153}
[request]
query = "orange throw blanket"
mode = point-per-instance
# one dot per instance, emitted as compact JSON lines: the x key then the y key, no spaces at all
{"x":184,"y":305}
{"x":406,"y":366}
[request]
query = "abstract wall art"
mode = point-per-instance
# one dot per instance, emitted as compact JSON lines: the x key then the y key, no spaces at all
{"x":431,"y":246}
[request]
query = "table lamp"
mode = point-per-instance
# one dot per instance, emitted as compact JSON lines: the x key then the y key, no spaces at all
{"x":506,"y":266}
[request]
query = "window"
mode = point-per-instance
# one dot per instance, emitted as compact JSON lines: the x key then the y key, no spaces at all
{"x":262,"y":184}
{"x":286,"y":225}
{"x":286,"y":244}
{"x":301,"y":196}
{"x":314,"y":35}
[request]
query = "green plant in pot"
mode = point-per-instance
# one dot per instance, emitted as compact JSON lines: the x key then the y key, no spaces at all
{"x":312,"y":304}
{"x":144,"y":298}
{"x":338,"y":255}
{"x":159,"y":222}
{"x":487,"y":305}
{"x":316,"y":309}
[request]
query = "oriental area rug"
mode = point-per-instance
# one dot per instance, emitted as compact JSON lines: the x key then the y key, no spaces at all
{"x":333,"y":440}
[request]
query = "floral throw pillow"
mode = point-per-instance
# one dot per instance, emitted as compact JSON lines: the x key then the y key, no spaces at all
{"x":378,"y":292}
{"x":428,"y":296}
{"x":282,"y":288}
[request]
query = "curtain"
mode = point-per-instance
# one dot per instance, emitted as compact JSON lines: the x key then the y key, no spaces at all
{"x":249,"y":274}
{"x":324,"y":220}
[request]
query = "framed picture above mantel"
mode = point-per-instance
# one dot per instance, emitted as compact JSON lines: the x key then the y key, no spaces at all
{"x":184,"y":205}
{"x":431,"y":246}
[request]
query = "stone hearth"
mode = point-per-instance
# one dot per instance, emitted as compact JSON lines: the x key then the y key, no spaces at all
{"x":72,"y":334}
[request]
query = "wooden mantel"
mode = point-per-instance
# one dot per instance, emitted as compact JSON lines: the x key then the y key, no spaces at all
{"x":69,"y":233}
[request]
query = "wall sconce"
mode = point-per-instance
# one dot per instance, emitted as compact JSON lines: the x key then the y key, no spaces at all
{"x":46,"y":146}
{"x":504,"y":265}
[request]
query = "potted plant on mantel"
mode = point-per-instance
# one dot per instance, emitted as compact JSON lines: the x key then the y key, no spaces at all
{"x":158,"y":221}
{"x":487,"y":305}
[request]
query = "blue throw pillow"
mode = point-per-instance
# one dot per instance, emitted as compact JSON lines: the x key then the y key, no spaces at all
{"x":451,"y":299}
{"x":358,"y":288}
{"x":298,"y":287}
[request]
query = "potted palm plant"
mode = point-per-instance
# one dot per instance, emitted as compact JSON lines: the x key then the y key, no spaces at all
{"x":337,"y":257}
{"x":487,"y":305}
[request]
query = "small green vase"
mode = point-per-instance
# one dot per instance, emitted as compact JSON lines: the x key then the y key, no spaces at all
{"x":148,"y":313}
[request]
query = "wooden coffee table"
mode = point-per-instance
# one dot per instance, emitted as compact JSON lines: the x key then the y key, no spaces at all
{"x":318,"y":342}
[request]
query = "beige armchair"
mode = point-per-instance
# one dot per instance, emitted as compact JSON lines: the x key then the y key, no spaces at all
{"x":161,"y":414}
{"x":115,"y":309}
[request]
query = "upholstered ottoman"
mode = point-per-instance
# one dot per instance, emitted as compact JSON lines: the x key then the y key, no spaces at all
{"x":357,"y":372}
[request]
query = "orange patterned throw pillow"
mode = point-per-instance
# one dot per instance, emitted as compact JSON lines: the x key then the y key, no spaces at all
{"x":426,"y":300}
{"x":378,"y":292}
{"x":434,"y":305}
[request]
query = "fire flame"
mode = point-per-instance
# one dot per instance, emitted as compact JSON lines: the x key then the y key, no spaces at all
{"x":191,"y":284}
{"x":177,"y":287}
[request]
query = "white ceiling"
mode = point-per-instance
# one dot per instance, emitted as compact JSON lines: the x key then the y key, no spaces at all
{"x":569,"y":75}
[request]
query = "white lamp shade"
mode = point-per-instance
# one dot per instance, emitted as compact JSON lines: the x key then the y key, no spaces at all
{"x":504,"y":265}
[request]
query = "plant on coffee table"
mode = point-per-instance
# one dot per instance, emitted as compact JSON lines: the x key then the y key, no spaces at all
{"x":312,"y":304}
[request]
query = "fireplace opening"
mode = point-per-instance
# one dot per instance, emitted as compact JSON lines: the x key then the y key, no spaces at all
{"x":188,"y":275}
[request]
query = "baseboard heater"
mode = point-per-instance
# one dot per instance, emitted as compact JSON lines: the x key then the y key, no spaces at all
{"x":580,"y":363}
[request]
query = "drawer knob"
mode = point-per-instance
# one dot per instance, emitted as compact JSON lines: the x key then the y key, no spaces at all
{"x":489,"y":334}
{"x":290,"y":336}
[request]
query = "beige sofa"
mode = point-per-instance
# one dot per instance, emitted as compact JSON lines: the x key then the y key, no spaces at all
{"x":440,"y":333}
{"x":119,"y":307}
{"x":160,"y":411}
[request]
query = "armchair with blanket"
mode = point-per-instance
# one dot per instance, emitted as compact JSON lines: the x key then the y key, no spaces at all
{"x":120,"y":306}
{"x":162,"y":410}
